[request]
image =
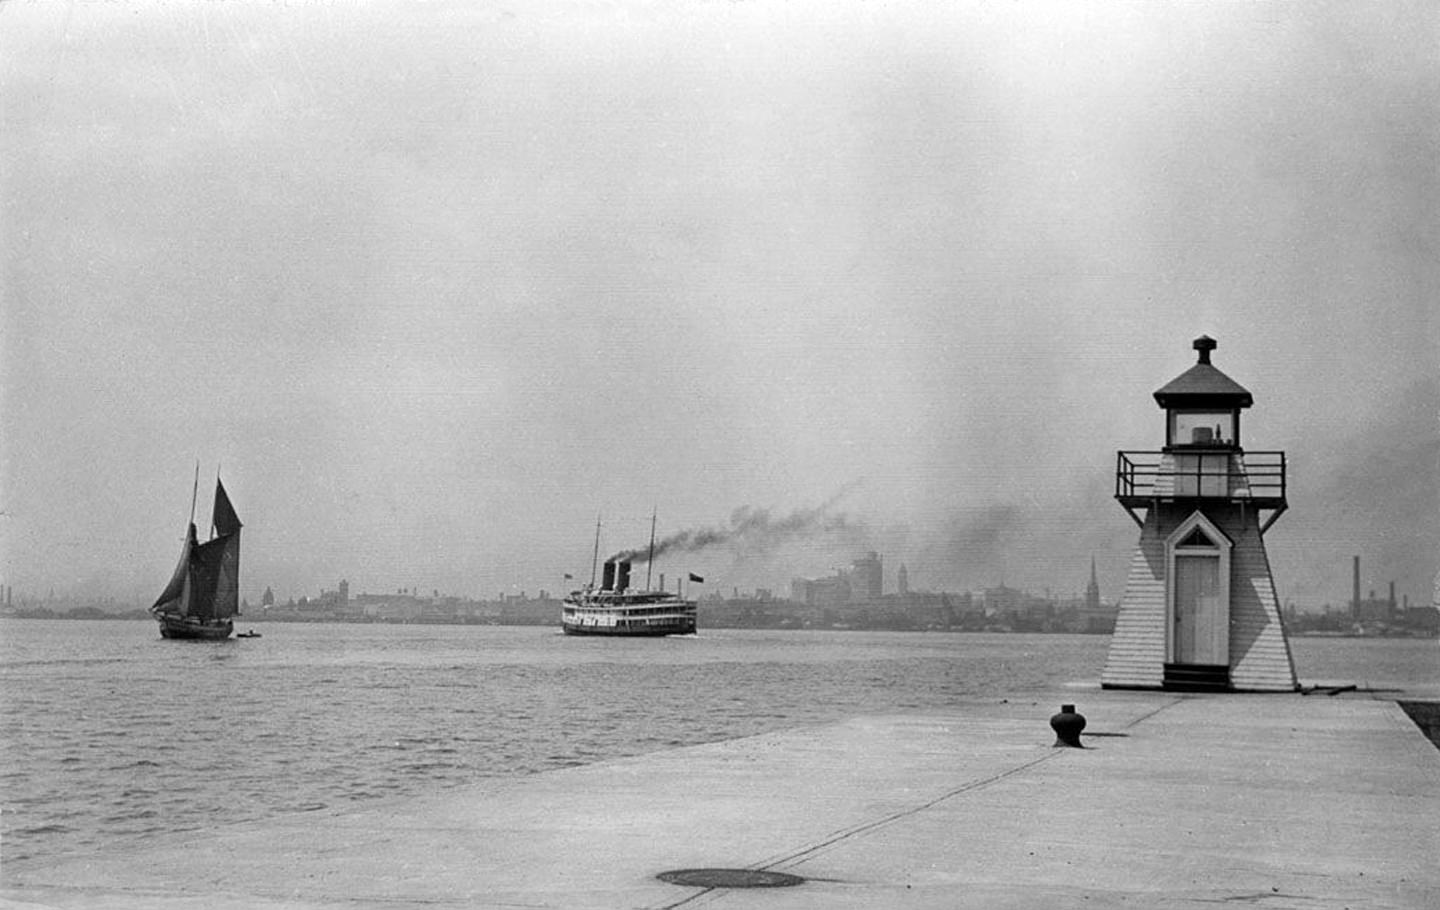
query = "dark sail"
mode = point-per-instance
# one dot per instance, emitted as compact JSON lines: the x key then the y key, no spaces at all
{"x":214,"y":578}
{"x":173,"y":598}
{"x":227,"y":576}
{"x":204,"y":572}
{"x":226,"y":601}
{"x":224,"y":518}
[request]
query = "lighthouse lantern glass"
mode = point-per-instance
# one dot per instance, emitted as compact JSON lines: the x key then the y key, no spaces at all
{"x":1202,"y":428}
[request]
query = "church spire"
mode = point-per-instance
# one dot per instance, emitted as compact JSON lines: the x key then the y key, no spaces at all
{"x":1092,"y":590}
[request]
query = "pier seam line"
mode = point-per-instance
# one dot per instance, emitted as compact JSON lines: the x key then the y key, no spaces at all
{"x":973,"y":785}
{"x":847,"y":833}
{"x":1144,"y":717}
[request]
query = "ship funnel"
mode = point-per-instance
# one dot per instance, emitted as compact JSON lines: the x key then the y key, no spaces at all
{"x":607,"y":582}
{"x":622,"y":576}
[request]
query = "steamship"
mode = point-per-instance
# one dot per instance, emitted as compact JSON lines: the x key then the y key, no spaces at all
{"x":617,"y":609}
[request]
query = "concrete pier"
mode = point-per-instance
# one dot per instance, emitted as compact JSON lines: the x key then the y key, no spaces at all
{"x":1176,"y":802}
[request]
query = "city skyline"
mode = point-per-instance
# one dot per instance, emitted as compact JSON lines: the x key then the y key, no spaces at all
{"x":891,"y":583}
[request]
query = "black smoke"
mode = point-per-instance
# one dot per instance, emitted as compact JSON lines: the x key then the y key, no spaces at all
{"x":752,"y":531}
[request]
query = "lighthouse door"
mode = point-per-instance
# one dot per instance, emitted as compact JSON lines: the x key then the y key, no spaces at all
{"x":1198,"y":593}
{"x":1201,"y":618}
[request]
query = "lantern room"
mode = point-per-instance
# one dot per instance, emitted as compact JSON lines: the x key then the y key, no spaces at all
{"x":1202,"y":405}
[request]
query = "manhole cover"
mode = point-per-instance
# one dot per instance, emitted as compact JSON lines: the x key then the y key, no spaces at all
{"x":729,"y":878}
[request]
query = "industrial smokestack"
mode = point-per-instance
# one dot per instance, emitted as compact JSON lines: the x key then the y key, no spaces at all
{"x":1392,"y":595}
{"x":622,"y":576}
{"x":607,"y":581}
{"x":1355,"y":600}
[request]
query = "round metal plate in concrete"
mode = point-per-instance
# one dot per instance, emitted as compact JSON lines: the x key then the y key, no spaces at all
{"x":729,"y":878}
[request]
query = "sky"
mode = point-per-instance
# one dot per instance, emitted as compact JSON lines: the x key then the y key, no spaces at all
{"x":435,"y":286}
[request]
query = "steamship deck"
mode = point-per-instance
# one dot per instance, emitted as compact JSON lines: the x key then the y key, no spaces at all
{"x":616,"y":609}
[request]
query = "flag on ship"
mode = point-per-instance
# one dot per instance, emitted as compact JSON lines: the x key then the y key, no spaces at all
{"x":697,"y":579}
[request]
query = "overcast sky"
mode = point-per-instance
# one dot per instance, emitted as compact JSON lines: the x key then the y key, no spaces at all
{"x":435,"y":284}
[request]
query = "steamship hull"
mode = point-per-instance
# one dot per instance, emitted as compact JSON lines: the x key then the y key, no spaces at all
{"x":647,"y":631}
{"x":645,"y":615}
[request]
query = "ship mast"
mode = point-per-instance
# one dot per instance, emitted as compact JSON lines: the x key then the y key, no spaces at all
{"x":194,"y":491}
{"x":212,"y":510}
{"x":650,"y":561}
{"x":594,"y":560}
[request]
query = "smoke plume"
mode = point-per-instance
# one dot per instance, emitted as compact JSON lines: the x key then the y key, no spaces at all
{"x":751,"y":531}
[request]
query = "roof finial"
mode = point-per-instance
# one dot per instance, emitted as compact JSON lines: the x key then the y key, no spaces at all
{"x":1204,"y":344}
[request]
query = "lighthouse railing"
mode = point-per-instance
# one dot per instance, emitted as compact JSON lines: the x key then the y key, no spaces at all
{"x":1256,"y":477}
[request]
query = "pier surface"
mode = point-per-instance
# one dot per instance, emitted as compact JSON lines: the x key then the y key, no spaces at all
{"x":1178,"y":801}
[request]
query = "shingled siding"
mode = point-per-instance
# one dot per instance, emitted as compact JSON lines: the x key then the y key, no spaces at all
{"x":1260,"y":658}
{"x":1259,"y":652}
{"x":1136,"y":659}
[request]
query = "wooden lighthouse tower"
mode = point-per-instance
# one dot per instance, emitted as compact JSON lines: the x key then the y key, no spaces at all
{"x":1200,"y":611}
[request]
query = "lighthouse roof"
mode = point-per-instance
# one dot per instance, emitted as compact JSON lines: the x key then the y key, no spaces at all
{"x":1203,"y":385}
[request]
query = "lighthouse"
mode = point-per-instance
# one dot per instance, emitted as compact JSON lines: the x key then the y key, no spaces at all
{"x":1200,"y":611}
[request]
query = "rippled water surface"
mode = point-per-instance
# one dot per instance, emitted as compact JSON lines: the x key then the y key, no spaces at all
{"x":111,"y":735}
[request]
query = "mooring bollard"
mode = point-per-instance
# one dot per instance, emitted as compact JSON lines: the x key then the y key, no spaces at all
{"x":1067,"y":726}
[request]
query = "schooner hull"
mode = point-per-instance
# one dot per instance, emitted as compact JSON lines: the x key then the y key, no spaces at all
{"x":177,"y":627}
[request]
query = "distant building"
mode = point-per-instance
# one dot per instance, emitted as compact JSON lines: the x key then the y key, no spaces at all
{"x":867,"y":577}
{"x":335,"y":601}
{"x":1093,"y":615}
{"x":1001,"y":600}
{"x":800,"y":590}
{"x":902,"y":580}
{"x":829,"y":592}
{"x":1376,"y":609}
{"x":1092,"y":591}
{"x":862,"y":583}
{"x":1422,"y":619}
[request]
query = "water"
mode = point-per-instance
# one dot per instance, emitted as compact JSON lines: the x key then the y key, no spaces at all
{"x":112,"y":736}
